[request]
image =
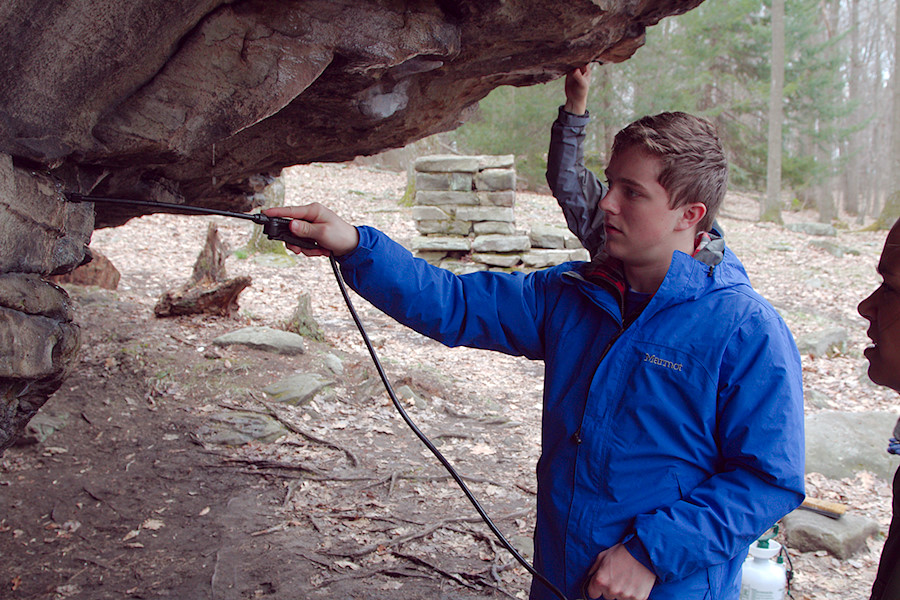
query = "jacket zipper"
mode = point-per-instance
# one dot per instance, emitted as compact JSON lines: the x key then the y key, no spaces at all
{"x":626,"y":323}
{"x":576,"y":437}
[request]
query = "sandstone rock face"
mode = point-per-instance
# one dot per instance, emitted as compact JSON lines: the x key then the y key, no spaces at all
{"x":197,"y":100}
{"x":38,"y":344}
{"x":39,"y":235}
{"x":204,"y":101}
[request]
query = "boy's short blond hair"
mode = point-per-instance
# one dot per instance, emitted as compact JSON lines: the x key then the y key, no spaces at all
{"x":694,"y":167}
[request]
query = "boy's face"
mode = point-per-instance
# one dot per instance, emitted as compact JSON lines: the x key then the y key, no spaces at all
{"x":882,"y":309}
{"x":641,"y":228}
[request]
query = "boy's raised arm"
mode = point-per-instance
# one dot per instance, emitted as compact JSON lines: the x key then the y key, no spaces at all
{"x":576,"y":189}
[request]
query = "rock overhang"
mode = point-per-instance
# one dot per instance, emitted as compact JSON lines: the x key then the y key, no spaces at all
{"x":203,"y":102}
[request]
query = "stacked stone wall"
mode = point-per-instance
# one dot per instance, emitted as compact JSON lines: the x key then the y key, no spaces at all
{"x":465,"y":214}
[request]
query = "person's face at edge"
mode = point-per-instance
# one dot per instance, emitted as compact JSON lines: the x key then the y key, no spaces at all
{"x":882,"y":310}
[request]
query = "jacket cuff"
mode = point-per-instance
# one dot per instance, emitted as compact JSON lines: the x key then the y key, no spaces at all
{"x":572,"y":120}
{"x":636,"y":549}
{"x":362,"y":248}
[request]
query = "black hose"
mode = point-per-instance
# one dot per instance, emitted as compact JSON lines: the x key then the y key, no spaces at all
{"x":462,"y":485}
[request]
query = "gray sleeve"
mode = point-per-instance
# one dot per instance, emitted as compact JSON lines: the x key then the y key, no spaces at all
{"x":576,"y":189}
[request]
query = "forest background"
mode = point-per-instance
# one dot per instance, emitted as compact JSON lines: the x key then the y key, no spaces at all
{"x":803,"y":92}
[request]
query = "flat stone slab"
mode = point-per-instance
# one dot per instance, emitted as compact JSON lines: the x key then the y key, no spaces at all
{"x":494,"y":180}
{"x":809,"y":532}
{"x":429,"y":213}
{"x":235,"y":428}
{"x":461,"y":267}
{"x":550,"y":237}
{"x":485,"y":213}
{"x":840,"y":444}
{"x":436,"y":182}
{"x":444,"y":163}
{"x":539,"y":259}
{"x":499,"y":198}
{"x":431,"y":198}
{"x":441,"y":244}
{"x":497,"y":260}
{"x":297,"y":389}
{"x":501,"y":243}
{"x":447,"y":227}
{"x":264,"y":338}
{"x":491,"y":227}
{"x":496,"y":161}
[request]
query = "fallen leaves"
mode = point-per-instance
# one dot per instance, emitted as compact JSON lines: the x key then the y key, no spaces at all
{"x":151,"y":524}
{"x":131,"y":535}
{"x":482,"y":449}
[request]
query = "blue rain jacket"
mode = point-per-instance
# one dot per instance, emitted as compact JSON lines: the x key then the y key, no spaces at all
{"x":680,"y":435}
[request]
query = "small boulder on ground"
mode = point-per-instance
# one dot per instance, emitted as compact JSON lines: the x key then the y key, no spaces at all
{"x":235,"y":428}
{"x":97,"y":271}
{"x":841,"y":444}
{"x":809,"y":532}
{"x":267,"y":339}
{"x":297,"y":389}
{"x":827,"y":342}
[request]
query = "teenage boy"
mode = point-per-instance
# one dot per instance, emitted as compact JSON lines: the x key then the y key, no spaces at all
{"x":577,"y":190}
{"x":672,"y":428}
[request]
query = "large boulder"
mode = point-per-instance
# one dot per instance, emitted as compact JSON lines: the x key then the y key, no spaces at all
{"x":38,"y":344}
{"x":39,"y":235}
{"x":203,"y":102}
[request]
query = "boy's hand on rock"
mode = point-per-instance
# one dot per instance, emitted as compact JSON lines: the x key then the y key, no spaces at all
{"x":578,"y":81}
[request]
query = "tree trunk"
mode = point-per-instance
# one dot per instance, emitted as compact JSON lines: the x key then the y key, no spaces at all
{"x":852,"y":187}
{"x":772,"y":205}
{"x":602,"y":96}
{"x":210,"y":264}
{"x":273,"y":195}
{"x":890,"y":212}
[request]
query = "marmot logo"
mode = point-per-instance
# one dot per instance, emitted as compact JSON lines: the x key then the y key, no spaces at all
{"x":650,"y":358}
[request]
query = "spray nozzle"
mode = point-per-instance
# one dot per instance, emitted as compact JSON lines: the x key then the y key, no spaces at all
{"x":763,"y":541}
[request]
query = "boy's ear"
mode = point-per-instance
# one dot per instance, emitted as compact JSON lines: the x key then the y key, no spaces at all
{"x":691,"y":214}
